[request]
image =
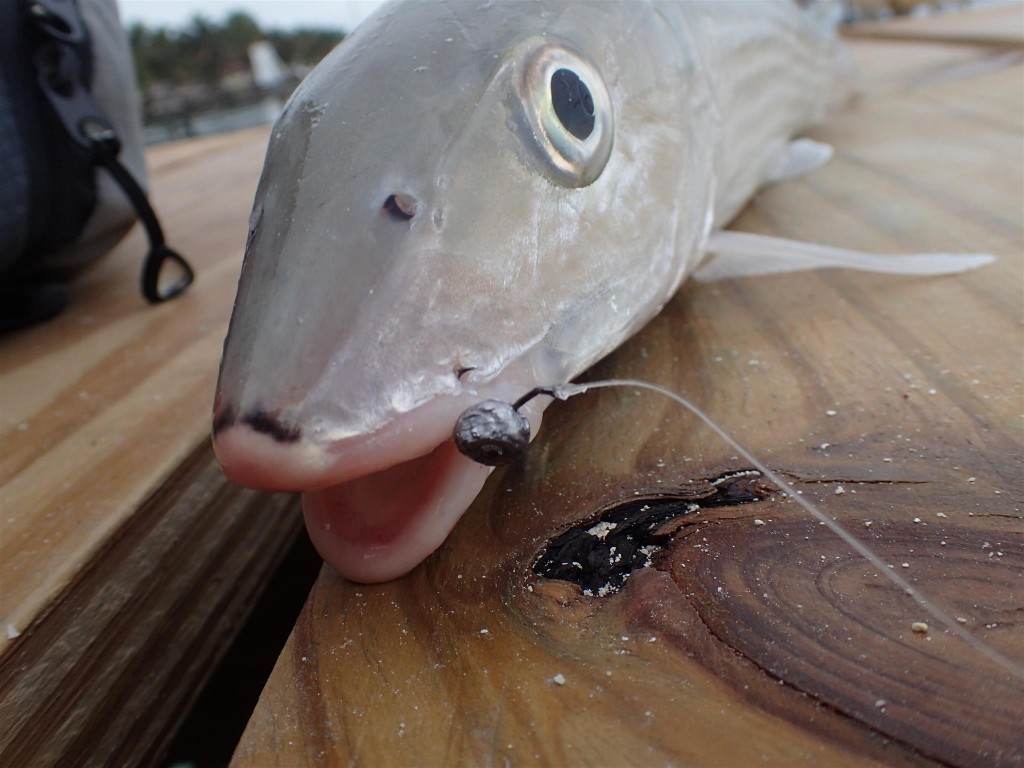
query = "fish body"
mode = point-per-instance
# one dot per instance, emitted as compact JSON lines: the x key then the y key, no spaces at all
{"x":447,"y":215}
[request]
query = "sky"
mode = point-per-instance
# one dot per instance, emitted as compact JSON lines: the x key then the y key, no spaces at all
{"x":270,"y":14}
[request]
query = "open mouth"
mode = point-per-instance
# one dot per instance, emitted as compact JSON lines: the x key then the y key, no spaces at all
{"x":375,"y":505}
{"x":382,"y":525}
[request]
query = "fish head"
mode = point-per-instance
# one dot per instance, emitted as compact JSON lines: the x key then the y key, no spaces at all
{"x":421,"y":239}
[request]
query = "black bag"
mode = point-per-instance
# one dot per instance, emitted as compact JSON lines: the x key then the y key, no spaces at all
{"x":68,"y":105}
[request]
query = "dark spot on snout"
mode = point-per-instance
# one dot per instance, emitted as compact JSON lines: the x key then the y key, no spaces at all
{"x":224,"y":418}
{"x":400,"y":207}
{"x":268,"y":423}
{"x":462,"y":370}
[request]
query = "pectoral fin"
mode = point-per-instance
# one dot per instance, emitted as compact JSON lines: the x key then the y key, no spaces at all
{"x":741,"y":254}
{"x":799,"y":157}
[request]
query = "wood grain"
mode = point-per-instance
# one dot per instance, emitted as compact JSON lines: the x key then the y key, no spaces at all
{"x":998,"y":26}
{"x":756,"y":637}
{"x":126,"y":562}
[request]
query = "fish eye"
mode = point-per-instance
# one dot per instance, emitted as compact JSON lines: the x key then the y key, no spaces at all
{"x":573,"y":103}
{"x":565,"y":115}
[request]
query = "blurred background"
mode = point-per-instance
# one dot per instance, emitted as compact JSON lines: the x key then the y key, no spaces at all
{"x":219,"y":65}
{"x":208,"y":66}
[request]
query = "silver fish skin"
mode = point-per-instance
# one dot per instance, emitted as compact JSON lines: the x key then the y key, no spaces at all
{"x":428,"y":233}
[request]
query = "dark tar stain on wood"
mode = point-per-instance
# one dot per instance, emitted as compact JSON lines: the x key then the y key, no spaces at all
{"x":600,"y":553}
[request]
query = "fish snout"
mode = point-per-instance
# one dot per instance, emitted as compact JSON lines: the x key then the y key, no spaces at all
{"x":258,"y":448}
{"x":262,"y":448}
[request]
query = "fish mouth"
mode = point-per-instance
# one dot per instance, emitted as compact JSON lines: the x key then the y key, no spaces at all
{"x":382,"y":525}
{"x":377,"y":504}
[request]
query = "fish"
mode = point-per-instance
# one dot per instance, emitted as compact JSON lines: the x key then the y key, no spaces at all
{"x":468,"y":200}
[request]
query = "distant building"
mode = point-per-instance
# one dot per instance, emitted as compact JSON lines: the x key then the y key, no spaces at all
{"x":268,"y":71}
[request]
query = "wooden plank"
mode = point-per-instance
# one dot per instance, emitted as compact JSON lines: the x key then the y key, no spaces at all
{"x":999,"y":26}
{"x":756,"y":637}
{"x":117,"y":530}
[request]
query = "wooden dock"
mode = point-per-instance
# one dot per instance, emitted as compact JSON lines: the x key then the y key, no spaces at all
{"x":127,"y":563}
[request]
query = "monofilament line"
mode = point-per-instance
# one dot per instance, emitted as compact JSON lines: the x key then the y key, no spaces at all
{"x":565,"y":391}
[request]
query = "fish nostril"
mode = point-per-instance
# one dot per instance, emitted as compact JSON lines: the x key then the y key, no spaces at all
{"x":401,"y":207}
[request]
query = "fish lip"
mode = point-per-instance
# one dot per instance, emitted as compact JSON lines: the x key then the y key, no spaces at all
{"x":253,"y":456}
{"x":381,"y":526}
{"x":397,"y":516}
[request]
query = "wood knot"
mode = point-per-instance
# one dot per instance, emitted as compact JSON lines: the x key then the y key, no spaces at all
{"x":600,"y":553}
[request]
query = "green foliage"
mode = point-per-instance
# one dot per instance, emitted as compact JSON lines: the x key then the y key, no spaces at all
{"x":205,"y":51}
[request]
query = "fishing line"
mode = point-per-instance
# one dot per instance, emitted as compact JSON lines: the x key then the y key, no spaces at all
{"x":495,"y":423}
